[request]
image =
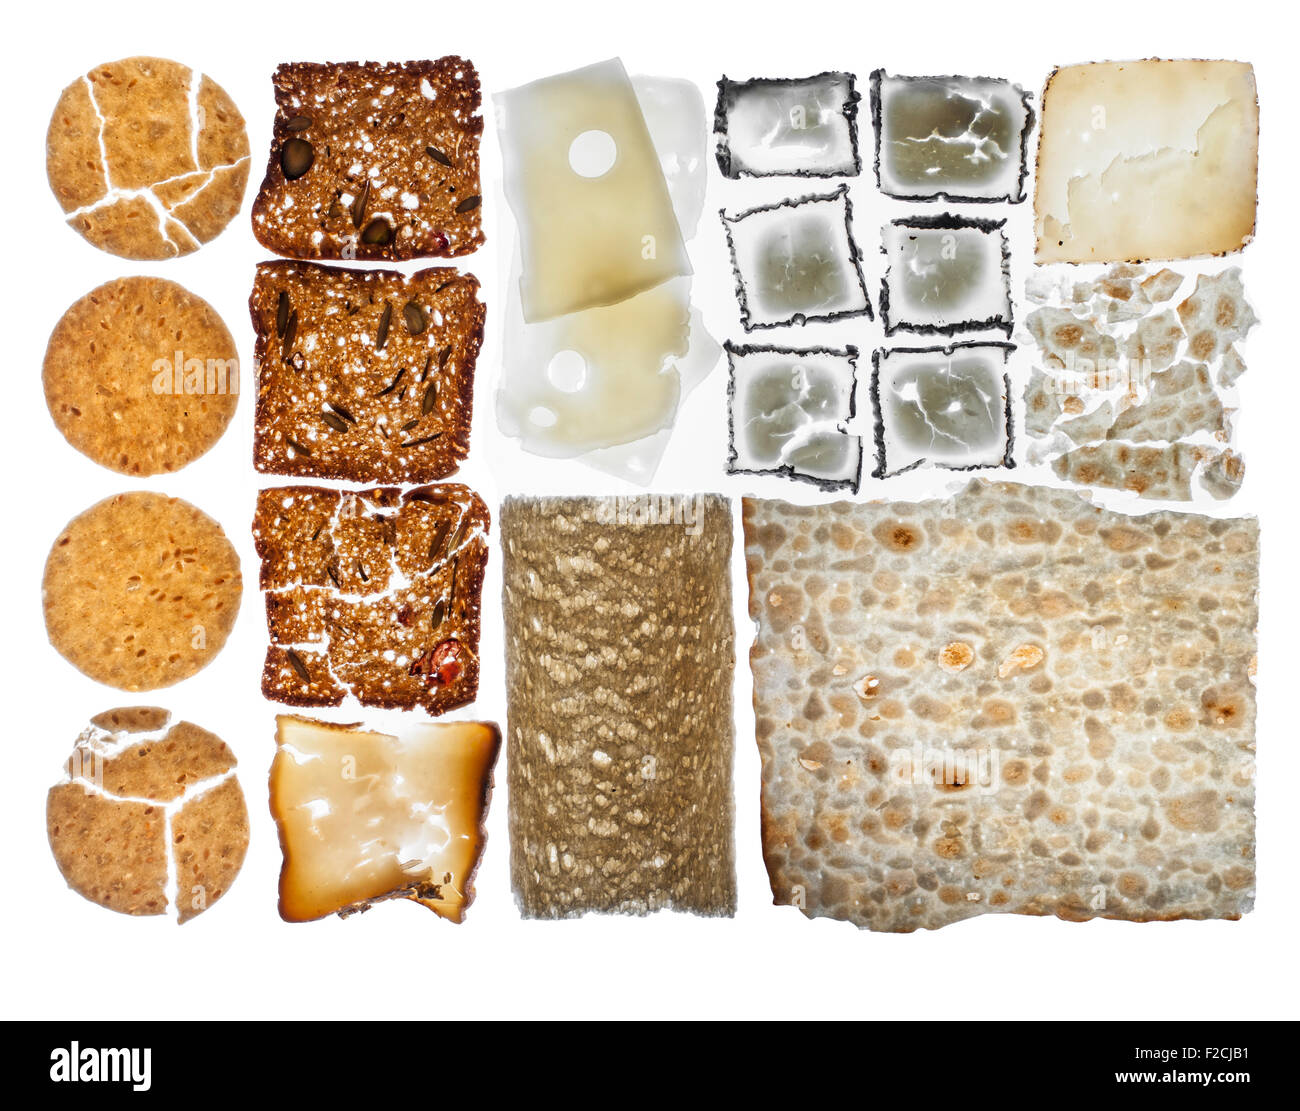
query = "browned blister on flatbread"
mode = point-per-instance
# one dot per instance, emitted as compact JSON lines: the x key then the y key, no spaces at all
{"x":364,"y":375}
{"x":375,"y":593}
{"x":1006,"y":701}
{"x":373,"y":161}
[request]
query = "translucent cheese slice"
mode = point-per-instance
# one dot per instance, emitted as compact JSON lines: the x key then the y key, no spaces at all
{"x":589,"y":235}
{"x":367,"y":816}
{"x":1146,"y":160}
{"x":598,"y":378}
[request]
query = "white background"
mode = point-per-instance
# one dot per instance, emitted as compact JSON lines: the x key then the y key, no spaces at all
{"x":64,"y":957}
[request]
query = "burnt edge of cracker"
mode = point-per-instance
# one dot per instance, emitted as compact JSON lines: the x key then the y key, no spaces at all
{"x":1026,"y":99}
{"x":952,"y":222}
{"x":289,"y":239}
{"x":392,"y":497}
{"x":487,"y":787}
{"x":878,"y":424}
{"x":727,"y":89}
{"x":855,"y":256}
{"x":788,"y":470}
{"x":312,"y":466}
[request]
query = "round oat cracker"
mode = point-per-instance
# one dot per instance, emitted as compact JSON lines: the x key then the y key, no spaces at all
{"x":141,"y":591}
{"x":140,"y":792}
{"x":148,"y":159}
{"x":141,"y":376}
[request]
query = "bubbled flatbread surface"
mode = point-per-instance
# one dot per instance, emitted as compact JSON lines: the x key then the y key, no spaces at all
{"x":139,"y":789}
{"x":111,"y":381}
{"x":141,"y":591}
{"x":148,"y":159}
{"x":1097,"y":667}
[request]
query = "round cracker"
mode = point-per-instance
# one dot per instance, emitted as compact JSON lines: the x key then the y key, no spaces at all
{"x":141,"y":376}
{"x":137,"y":791}
{"x":127,"y":164}
{"x":141,"y":591}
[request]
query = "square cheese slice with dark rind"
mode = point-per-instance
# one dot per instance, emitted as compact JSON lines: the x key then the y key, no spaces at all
{"x":796,"y":261}
{"x":788,"y":126}
{"x":942,"y":406}
{"x":365,"y":816}
{"x":946,"y":275}
{"x":951,"y":138}
{"x":788,"y":411}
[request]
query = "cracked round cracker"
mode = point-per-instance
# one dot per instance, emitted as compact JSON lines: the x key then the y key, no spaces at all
{"x":141,"y":591}
{"x":150,"y":817}
{"x":141,"y":376}
{"x":148,"y":158}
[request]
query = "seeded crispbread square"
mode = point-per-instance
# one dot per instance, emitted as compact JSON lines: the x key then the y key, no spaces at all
{"x":373,"y":161}
{"x":364,"y":375}
{"x":366,"y":591}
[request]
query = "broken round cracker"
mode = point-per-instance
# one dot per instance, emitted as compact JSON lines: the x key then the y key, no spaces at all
{"x":148,"y":158}
{"x":141,"y":591}
{"x":141,"y":376}
{"x":373,"y":160}
{"x":1005,"y":701}
{"x":149,"y":815}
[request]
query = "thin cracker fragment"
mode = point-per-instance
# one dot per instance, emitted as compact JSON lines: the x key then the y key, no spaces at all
{"x":619,"y":658}
{"x":1007,"y":701}
{"x":1161,"y":473}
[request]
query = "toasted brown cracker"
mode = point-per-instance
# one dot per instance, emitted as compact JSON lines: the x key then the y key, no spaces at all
{"x":141,"y":376}
{"x":164,"y":769}
{"x":364,"y":375}
{"x":141,"y":591}
{"x":209,"y":840}
{"x":382,"y":161}
{"x":124,"y":161}
{"x":367,"y":592}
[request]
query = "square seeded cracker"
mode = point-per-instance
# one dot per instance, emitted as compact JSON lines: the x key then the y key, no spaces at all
{"x":376,"y":594}
{"x":373,"y":161}
{"x":364,"y":375}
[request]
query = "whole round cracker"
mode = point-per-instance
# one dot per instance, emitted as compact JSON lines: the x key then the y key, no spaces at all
{"x":141,"y":376}
{"x":149,"y":159}
{"x":136,"y":791}
{"x":141,"y":591}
